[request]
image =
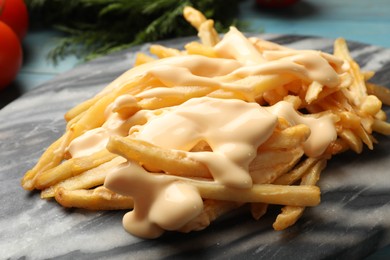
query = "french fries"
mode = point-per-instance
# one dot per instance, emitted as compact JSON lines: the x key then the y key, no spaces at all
{"x":169,"y":161}
{"x":290,"y":214}
{"x":280,"y":169}
{"x":96,"y":199}
{"x":72,"y":167}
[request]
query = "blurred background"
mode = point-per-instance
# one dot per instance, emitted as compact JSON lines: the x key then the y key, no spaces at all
{"x":55,"y":35}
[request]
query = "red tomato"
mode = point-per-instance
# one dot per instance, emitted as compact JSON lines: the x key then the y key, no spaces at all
{"x":10,"y":55}
{"x":14,"y":13}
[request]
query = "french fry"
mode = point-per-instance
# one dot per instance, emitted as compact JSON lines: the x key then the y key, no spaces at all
{"x":354,"y":142}
{"x":93,"y":117}
{"x":381,"y":127}
{"x":313,"y":91}
{"x":97,"y":199}
{"x":171,"y":96}
{"x":357,"y":87}
{"x":265,"y":193}
{"x":72,"y":167}
{"x":288,"y":138}
{"x":371,"y":105}
{"x":297,"y":173}
{"x":82,"y":107}
{"x":206,"y":31}
{"x":200,"y":49}
{"x":263,"y":45}
{"x":163,"y":52}
{"x":270,"y":164}
{"x":142,"y":58}
{"x":288,"y":217}
{"x":290,"y":214}
{"x":193,"y":16}
{"x":86,"y":180}
{"x":171,"y":161}
{"x":49,"y":159}
{"x":381,"y":92}
{"x":365,"y":137}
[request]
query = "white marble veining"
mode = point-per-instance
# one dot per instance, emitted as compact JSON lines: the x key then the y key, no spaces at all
{"x":352,"y":221}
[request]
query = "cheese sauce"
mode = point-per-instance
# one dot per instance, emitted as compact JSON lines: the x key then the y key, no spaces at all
{"x":234,"y":129}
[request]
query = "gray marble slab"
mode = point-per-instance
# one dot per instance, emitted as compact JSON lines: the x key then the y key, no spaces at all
{"x":352,"y":221}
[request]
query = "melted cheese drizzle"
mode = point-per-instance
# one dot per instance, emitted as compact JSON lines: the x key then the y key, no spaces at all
{"x":234,"y":129}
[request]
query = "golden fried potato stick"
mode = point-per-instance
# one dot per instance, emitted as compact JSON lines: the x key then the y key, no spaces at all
{"x":48,"y":160}
{"x":357,"y":88}
{"x":263,"y":45}
{"x":381,"y":92}
{"x":86,"y":180}
{"x":72,"y":167}
{"x":94,"y":116}
{"x":80,"y":108}
{"x":99,"y":198}
{"x":290,"y":214}
{"x":170,"y":161}
{"x":268,"y":165}
{"x":351,"y":138}
{"x":118,"y":87}
{"x":297,"y":173}
{"x":259,"y":209}
{"x":266,"y":193}
{"x":193,"y":16}
{"x":206,"y":30}
{"x":208,"y":34}
{"x":371,"y":105}
{"x":174,"y":96}
{"x":349,"y":120}
{"x":200,"y":49}
{"x":288,"y":138}
{"x":366,"y":138}
{"x":381,"y":127}
{"x":313,"y":92}
{"x":163,"y":52}
{"x":142,"y":58}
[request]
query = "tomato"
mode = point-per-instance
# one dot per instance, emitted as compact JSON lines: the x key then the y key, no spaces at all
{"x":14,"y":14}
{"x":10,"y":55}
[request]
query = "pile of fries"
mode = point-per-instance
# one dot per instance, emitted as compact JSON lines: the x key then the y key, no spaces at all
{"x":284,"y":174}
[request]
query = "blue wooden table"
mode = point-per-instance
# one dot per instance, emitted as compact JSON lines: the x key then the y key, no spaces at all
{"x":358,"y":20}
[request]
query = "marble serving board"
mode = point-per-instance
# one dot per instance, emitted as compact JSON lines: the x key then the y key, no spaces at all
{"x":352,"y":222}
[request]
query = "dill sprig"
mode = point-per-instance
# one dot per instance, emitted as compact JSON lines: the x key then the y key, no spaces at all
{"x":97,"y":27}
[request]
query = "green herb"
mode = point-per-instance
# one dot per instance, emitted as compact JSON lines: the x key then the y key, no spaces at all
{"x":97,"y":27}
